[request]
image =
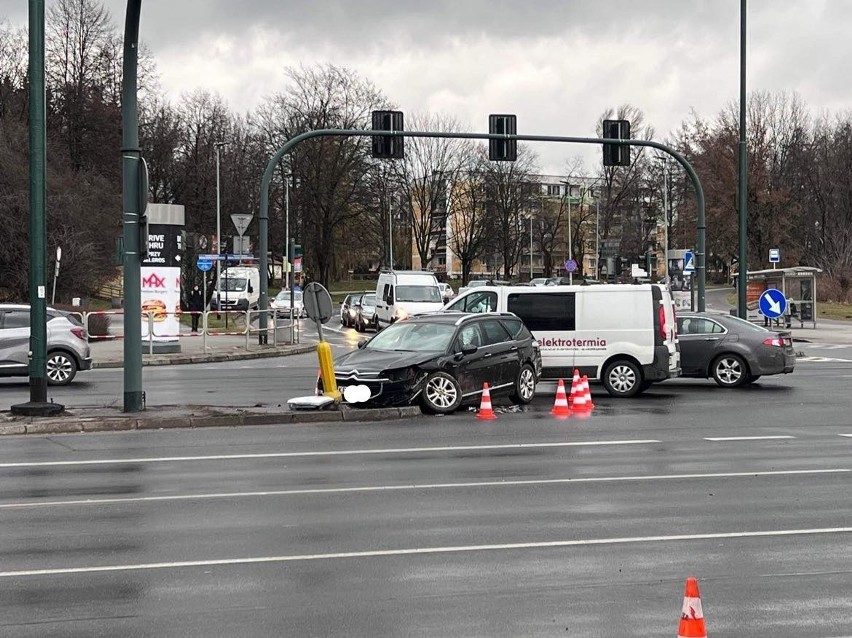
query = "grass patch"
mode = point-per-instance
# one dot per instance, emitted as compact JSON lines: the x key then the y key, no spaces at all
{"x":834,"y":310}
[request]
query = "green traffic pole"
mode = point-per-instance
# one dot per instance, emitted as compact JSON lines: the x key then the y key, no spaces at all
{"x":742,"y":272}
{"x":37,"y":405}
{"x":134,"y":398}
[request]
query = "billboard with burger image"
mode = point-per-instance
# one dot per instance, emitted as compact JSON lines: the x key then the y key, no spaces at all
{"x":160,"y":273}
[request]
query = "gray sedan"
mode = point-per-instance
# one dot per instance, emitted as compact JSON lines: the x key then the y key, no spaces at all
{"x":730,"y":350}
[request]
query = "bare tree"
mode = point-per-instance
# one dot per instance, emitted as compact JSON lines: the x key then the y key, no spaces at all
{"x":468,"y":205}
{"x":431,"y":170}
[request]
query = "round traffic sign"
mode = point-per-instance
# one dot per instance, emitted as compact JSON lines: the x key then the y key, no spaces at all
{"x":317,"y":302}
{"x":204,"y":265}
{"x":571,"y":265}
{"x":773,"y":304}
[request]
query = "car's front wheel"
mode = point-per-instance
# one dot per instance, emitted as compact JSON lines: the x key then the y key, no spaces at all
{"x":622,"y":379}
{"x":729,"y":371}
{"x":61,"y":368}
{"x":524,"y":391}
{"x":441,"y":393}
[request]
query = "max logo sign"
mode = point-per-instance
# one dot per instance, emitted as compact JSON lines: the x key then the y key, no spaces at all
{"x":153,"y":281}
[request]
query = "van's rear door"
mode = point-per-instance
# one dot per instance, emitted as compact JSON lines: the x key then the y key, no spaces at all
{"x":665,"y":324}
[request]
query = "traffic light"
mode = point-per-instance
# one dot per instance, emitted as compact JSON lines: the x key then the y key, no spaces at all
{"x":388,"y":147}
{"x":503,"y":150}
{"x":616,"y":154}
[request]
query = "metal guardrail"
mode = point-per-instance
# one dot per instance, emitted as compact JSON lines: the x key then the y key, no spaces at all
{"x":283,"y":320}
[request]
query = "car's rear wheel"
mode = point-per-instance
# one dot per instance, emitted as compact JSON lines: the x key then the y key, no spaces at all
{"x":61,"y":368}
{"x":729,"y":370}
{"x":524,"y":391}
{"x":441,"y":393}
{"x":622,"y":378}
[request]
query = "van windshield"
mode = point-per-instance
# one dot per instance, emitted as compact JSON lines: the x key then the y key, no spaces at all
{"x":232,"y":284}
{"x":418,"y":294}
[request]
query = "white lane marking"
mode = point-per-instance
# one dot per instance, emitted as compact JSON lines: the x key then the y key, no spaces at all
{"x":278,"y":455}
{"x":821,"y":360}
{"x":748,"y":438}
{"x":414,"y":486}
{"x":849,"y":435}
{"x":420,"y":551}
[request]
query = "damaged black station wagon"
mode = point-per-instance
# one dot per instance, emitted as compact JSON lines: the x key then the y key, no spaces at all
{"x":441,"y":361}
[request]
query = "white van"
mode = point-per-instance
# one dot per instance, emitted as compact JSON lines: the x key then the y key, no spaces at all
{"x":238,"y":288}
{"x":403,"y":293}
{"x":623,"y":335}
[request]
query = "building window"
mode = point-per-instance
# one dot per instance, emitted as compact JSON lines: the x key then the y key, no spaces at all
{"x":553,"y":190}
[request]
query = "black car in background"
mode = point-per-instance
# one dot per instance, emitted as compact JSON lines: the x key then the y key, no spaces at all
{"x":442,"y":360}
{"x":365,"y":313}
{"x":730,"y":350}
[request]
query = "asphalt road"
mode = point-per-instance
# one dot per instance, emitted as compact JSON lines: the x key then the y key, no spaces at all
{"x":446,"y":526}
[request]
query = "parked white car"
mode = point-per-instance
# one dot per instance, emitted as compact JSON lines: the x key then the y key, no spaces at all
{"x":282,"y":302}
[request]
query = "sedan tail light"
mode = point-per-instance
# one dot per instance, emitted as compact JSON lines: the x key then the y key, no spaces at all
{"x":80,"y":333}
{"x":774,"y":341}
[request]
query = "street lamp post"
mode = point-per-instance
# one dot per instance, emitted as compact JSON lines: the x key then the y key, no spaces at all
{"x":570,"y":248}
{"x":666,"y":217}
{"x":218,"y":145}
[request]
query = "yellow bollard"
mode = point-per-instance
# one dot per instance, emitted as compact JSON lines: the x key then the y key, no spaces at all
{"x":326,"y":364}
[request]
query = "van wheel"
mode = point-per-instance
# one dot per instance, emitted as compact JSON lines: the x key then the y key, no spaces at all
{"x":524,"y":391}
{"x":622,"y":379}
{"x":61,"y":368}
{"x":441,"y":394}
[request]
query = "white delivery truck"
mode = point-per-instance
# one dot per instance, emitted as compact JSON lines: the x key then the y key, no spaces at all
{"x":623,"y":335}
{"x":238,"y":288}
{"x":403,"y":293}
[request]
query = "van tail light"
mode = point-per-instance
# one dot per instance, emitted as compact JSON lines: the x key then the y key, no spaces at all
{"x":663,"y":328}
{"x":774,"y":341}
{"x":79,"y":333}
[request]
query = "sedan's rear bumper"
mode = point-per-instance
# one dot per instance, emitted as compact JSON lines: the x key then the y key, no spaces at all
{"x":773,"y":360}
{"x":86,"y":364}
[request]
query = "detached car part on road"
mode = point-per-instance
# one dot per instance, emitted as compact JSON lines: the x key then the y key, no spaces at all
{"x":441,"y":361}
{"x":67,"y":348}
{"x":730,"y":350}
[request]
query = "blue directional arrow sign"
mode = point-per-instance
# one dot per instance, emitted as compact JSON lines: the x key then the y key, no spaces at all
{"x":204,"y":265}
{"x":773,"y":304}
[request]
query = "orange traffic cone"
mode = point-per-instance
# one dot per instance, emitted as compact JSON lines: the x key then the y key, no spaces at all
{"x":587,"y":391}
{"x":560,"y":406}
{"x":692,"y":616}
{"x":485,"y":410}
{"x":575,"y":386}
{"x":579,"y":405}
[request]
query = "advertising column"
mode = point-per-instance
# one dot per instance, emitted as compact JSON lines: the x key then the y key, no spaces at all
{"x":160,"y":273}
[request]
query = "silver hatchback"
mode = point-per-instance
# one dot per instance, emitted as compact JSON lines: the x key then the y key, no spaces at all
{"x":67,"y":348}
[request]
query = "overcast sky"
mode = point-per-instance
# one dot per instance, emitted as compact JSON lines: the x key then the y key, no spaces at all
{"x":557,"y":64}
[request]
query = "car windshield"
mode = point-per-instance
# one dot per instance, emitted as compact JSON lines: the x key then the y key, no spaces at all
{"x":415,"y":337}
{"x":284,"y":295}
{"x":232,"y":284}
{"x":368,"y":300}
{"x":417,"y":294}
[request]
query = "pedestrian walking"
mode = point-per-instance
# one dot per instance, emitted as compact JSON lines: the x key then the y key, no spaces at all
{"x":196,"y":306}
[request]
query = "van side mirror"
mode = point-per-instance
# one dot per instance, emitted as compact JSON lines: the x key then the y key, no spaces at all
{"x":250,"y":288}
{"x":362,"y":343}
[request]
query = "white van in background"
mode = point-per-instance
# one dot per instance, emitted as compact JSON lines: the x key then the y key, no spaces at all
{"x":403,"y":293}
{"x":238,"y":288}
{"x":623,"y":335}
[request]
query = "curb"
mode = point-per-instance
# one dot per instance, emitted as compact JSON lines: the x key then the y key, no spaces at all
{"x":179,"y":359}
{"x":72,"y":423}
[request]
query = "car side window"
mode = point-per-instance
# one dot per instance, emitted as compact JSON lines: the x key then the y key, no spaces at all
{"x":494,"y":333}
{"x":469,"y":336}
{"x":16,"y":319}
{"x":544,"y":311}
{"x":515,"y":327}
{"x":390,"y":294}
{"x":477,"y":302}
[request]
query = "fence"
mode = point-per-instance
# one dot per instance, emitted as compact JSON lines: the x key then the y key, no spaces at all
{"x":283,"y":321}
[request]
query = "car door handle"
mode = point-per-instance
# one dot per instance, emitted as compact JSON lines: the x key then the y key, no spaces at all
{"x":711,"y":338}
{"x":486,"y":355}
{"x":514,"y":348}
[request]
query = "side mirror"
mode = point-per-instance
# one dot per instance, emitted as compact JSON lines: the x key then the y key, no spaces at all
{"x":469,"y":349}
{"x":362,"y":343}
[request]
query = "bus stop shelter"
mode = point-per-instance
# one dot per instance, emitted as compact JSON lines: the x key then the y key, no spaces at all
{"x":797,"y":284}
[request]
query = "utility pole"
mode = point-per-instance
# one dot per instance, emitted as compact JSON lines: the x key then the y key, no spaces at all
{"x":742,"y":272}
{"x":133,"y":202}
{"x":218,"y":145}
{"x":37,"y":405}
{"x":570,"y":249}
{"x":666,"y":218}
{"x":531,"y":247}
